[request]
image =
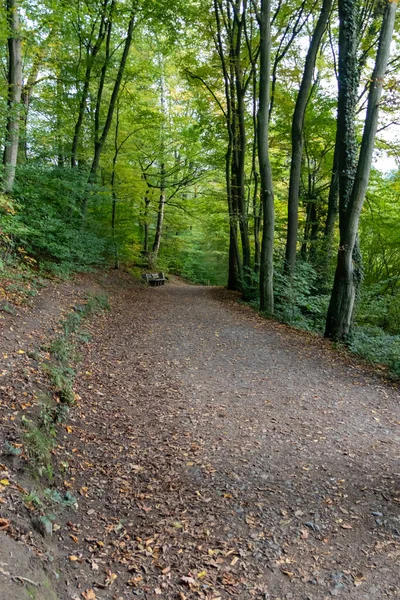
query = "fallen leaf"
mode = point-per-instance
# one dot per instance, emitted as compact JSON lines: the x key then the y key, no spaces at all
{"x":111,"y":577}
{"x":135,"y":581}
{"x":346,"y":526}
{"x":358,"y":579}
{"x":304,"y":534}
{"x":289,"y":574}
{"x":89,"y":595}
{"x":4,"y":523}
{"x":4,"y":482}
{"x":202,"y":574}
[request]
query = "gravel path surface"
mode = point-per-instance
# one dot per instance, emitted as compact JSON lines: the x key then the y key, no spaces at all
{"x":219,"y":455}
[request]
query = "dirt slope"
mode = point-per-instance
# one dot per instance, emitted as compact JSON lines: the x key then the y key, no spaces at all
{"x":218,"y":455}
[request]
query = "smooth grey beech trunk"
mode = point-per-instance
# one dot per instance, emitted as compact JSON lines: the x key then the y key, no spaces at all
{"x":342,"y":302}
{"x":14,"y":96}
{"x":297,"y":138}
{"x":267,"y":194}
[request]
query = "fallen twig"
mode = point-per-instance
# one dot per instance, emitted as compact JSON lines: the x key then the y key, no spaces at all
{"x":24,"y":580}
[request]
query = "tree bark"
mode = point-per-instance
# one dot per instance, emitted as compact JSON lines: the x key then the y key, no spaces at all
{"x":267,"y":195}
{"x":341,"y":307}
{"x":14,"y":96}
{"x":99,"y":144}
{"x":255,"y":176}
{"x":91,"y":54}
{"x":297,"y":138}
{"x":234,"y":261}
{"x":160,"y":215}
{"x":146,"y":225}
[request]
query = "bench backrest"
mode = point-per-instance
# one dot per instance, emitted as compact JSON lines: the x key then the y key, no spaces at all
{"x":153,"y":276}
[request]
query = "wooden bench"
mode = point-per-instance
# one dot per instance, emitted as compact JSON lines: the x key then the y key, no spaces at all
{"x":154,"y":279}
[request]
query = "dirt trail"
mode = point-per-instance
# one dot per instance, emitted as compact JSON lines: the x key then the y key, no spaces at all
{"x":220,"y":455}
{"x":215,"y":454}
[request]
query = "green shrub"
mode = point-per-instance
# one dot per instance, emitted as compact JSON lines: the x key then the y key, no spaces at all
{"x":297,"y":300}
{"x":48,"y":222}
{"x":96,"y":303}
{"x":375,"y":345}
{"x":38,"y":443}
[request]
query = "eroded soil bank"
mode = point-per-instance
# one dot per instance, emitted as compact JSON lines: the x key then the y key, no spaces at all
{"x":218,"y":455}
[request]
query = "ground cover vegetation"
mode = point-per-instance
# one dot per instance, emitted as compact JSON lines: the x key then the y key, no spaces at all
{"x":230,"y":142}
{"x":34,"y":438}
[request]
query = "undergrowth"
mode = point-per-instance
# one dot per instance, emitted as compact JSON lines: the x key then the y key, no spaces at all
{"x":39,"y":435}
{"x":299,"y":302}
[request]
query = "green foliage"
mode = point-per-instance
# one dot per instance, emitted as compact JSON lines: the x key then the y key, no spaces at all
{"x":48,"y":222}
{"x":96,"y":303}
{"x":375,"y":345}
{"x":55,"y":497}
{"x":297,"y":300}
{"x":62,"y":378}
{"x":11,"y":450}
{"x":39,"y":442}
{"x":33,"y":498}
{"x":64,"y":352}
{"x":62,"y":349}
{"x":380,"y":306}
{"x":71,"y":323}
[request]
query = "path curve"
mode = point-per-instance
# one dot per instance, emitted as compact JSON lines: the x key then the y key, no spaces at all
{"x":216,"y":455}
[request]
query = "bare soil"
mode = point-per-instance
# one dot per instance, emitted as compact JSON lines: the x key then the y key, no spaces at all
{"x":216,"y":454}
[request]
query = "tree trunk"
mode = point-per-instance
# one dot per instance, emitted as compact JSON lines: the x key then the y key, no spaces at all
{"x":341,"y":307}
{"x":90,"y":58}
{"x":160,"y":216}
{"x":297,"y":138}
{"x":307,"y":227}
{"x":60,"y":141}
{"x":267,"y":195}
{"x":146,"y":225}
{"x":99,"y":144}
{"x":114,"y":191}
{"x":331,"y":216}
{"x":234,"y":261}
{"x":14,"y":96}
{"x":255,"y":177}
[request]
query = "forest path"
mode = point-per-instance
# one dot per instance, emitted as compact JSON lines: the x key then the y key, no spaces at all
{"x":220,"y":455}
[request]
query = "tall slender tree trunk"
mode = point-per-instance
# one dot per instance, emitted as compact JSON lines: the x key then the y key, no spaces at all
{"x":160,"y":215}
{"x":234,"y":260}
{"x":81,"y":113}
{"x":91,"y":55}
{"x":342,"y":302}
{"x":14,"y":96}
{"x":267,"y":194}
{"x":297,"y":138}
{"x":241,"y":192}
{"x":114,"y":191}
{"x":331,"y":216}
{"x":99,"y":143}
{"x":60,"y":141}
{"x":255,"y":178}
{"x":146,"y":224}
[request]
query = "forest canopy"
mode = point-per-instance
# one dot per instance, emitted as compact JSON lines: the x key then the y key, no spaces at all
{"x":247,"y":143}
